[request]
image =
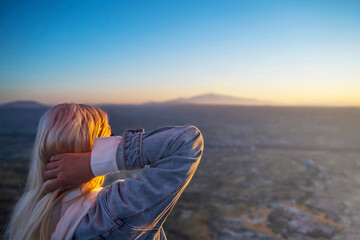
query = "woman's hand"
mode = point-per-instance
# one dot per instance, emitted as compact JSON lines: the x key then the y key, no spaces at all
{"x":67,"y":171}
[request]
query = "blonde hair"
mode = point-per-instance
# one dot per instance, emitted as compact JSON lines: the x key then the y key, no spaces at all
{"x":64,"y":128}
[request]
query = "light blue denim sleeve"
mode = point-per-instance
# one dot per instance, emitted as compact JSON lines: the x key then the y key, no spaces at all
{"x":138,"y":206}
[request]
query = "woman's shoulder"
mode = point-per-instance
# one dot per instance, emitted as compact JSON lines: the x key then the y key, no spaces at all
{"x":74,"y":206}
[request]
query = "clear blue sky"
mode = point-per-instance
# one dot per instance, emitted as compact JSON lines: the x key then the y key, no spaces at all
{"x":291,"y":52}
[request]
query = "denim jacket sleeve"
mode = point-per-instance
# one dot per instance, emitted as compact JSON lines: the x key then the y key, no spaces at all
{"x":141,"y":204}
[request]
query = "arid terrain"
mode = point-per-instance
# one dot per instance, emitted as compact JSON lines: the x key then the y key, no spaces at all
{"x":266,"y":172}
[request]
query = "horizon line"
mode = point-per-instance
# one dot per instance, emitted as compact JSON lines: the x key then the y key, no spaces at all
{"x":164,"y":103}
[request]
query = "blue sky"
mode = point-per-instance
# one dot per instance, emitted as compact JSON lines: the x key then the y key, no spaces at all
{"x":290,"y":52}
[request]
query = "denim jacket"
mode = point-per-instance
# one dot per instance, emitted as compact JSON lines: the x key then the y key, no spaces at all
{"x":136,"y":208}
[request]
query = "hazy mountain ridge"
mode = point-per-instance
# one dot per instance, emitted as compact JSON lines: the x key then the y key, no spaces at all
{"x":214,"y":99}
{"x":23,"y":104}
{"x":206,"y":99}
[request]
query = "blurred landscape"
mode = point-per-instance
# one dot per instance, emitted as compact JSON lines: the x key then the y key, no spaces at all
{"x":266,"y":173}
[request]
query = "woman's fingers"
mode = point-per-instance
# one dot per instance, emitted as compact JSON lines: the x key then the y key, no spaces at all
{"x":50,"y":174}
{"x":56,"y":157}
{"x":67,"y":170}
{"x":52,"y":165}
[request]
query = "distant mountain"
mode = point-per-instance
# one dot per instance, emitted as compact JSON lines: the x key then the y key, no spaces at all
{"x":214,"y":99}
{"x":23,"y":104}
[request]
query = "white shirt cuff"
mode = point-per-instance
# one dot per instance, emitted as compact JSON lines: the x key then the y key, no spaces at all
{"x":103,"y":155}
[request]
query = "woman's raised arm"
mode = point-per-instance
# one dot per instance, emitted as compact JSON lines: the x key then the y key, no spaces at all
{"x":141,"y":204}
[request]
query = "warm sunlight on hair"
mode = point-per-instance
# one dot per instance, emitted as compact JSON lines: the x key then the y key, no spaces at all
{"x":67,"y":127}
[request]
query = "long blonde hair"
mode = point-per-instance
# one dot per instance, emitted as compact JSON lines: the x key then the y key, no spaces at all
{"x":66,"y":127}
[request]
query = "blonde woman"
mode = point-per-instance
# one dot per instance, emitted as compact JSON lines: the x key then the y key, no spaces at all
{"x":73,"y":151}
